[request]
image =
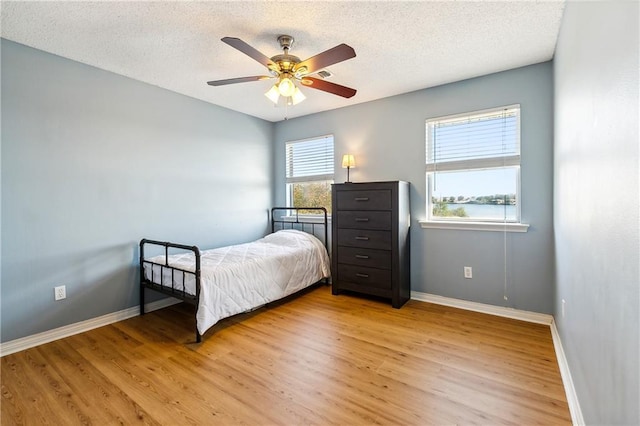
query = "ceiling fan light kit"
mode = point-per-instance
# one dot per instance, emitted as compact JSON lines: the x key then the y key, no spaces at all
{"x":275,"y":92}
{"x":289,"y":69}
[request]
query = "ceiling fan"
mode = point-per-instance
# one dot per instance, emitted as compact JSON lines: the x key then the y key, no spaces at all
{"x":289,"y":69}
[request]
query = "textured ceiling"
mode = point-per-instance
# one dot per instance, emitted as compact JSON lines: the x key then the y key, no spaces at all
{"x":400,"y":46}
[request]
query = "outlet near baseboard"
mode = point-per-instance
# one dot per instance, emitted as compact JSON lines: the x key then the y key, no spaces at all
{"x":468,"y":272}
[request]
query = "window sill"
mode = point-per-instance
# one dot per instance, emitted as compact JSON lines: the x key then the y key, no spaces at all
{"x":475,"y":226}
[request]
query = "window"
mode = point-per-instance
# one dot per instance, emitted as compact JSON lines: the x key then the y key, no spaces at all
{"x":473,"y":166}
{"x":309,"y":173}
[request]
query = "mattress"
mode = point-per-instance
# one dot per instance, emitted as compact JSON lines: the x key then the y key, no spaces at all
{"x":242,"y":277}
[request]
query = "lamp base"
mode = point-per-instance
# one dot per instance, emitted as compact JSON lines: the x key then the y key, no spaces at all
{"x":348,"y":181}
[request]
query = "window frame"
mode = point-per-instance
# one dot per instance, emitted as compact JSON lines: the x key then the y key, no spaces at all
{"x":470,"y":165}
{"x":319,"y":178}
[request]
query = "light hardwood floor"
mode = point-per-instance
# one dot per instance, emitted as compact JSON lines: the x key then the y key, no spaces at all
{"x":315,"y":359}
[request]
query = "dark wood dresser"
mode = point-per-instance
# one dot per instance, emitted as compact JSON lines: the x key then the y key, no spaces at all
{"x":370,"y":239}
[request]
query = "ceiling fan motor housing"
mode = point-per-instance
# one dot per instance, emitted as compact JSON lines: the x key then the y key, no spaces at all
{"x":286,"y":62}
{"x":286,"y":41}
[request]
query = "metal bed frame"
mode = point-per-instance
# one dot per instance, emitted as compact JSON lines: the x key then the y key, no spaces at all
{"x":286,"y":221}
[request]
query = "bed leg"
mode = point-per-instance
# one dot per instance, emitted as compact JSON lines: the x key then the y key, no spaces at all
{"x":141,"y":300}
{"x":198,"y":337}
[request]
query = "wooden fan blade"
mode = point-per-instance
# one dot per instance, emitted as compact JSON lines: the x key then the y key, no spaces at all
{"x":340,"y":53}
{"x":325,"y":86}
{"x":250,"y":51}
{"x":237,"y":80}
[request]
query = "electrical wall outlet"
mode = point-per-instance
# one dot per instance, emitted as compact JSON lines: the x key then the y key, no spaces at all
{"x":563,"y":303}
{"x":60,"y":292}
{"x":468,"y":272}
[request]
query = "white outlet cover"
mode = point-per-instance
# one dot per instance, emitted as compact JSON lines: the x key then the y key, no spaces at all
{"x":60,"y":292}
{"x":468,"y":272}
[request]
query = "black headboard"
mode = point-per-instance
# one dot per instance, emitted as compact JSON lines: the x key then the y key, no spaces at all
{"x":312,"y":220}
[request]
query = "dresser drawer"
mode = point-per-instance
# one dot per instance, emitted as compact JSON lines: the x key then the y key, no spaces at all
{"x":364,"y":200}
{"x":364,"y":220}
{"x":365,"y":238}
{"x":379,"y":278}
{"x":380,"y":259}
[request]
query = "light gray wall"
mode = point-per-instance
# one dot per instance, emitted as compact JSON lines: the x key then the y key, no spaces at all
{"x":91,"y":163}
{"x":388,"y":139}
{"x":596,"y":215}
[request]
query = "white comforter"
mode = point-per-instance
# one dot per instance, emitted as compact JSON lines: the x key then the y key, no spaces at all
{"x":239,"y":278}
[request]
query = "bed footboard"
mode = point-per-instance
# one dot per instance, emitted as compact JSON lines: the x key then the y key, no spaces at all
{"x":159,"y":285}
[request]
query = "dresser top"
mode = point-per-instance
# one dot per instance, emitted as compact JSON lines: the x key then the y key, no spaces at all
{"x":370,"y":183}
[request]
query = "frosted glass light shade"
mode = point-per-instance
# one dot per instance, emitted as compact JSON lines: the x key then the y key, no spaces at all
{"x":286,"y":87}
{"x":273,"y":94}
{"x":297,"y":96}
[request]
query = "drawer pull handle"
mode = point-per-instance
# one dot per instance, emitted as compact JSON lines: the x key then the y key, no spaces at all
{"x":362,"y":219}
{"x":362,"y":238}
{"x":361,"y":198}
{"x":362,"y":275}
{"x":361,"y":256}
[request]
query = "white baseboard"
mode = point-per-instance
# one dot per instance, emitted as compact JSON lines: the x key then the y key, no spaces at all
{"x":567,"y":381}
{"x":570,"y":390}
{"x":500,"y":311}
{"x":80,"y":327}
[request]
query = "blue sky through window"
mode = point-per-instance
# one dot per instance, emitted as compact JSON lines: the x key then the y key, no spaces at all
{"x":475,"y":183}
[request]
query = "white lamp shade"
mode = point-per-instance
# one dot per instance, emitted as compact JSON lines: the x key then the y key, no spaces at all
{"x":348,"y":161}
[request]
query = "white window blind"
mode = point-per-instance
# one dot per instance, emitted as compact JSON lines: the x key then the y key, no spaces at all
{"x":309,"y":160}
{"x":480,"y":140}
